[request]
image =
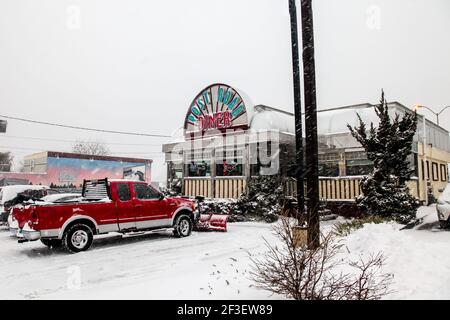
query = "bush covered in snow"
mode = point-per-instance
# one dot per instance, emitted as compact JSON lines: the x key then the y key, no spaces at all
{"x":262,"y":202}
{"x":223,"y":206}
{"x":323,"y":273}
{"x":385,"y":192}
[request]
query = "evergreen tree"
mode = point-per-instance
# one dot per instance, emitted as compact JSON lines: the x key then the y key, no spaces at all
{"x":263,"y":198}
{"x":385,"y":192}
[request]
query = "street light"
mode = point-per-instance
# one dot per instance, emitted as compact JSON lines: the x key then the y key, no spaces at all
{"x":437,"y":114}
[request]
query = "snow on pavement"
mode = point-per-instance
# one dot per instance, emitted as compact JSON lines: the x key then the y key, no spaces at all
{"x":206,"y":265}
{"x":209,"y":265}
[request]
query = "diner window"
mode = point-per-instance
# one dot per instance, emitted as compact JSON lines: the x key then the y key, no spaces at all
{"x":444,"y":175}
{"x":198,"y":169}
{"x":198,"y":163}
{"x":255,"y":168}
{"x":356,"y":155}
{"x":261,"y":154}
{"x":358,"y":167}
{"x":330,"y":156}
{"x":423,"y":170}
{"x":435,"y":171}
{"x":428,"y":170}
{"x":329,"y":169}
{"x":175,"y":170}
{"x":415,"y":164}
{"x":229,"y":162}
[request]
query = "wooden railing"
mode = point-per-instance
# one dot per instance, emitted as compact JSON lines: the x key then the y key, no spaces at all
{"x":330,"y":188}
{"x":221,"y":187}
{"x":341,"y":188}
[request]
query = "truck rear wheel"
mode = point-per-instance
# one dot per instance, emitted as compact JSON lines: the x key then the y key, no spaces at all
{"x":77,"y":238}
{"x":183,"y":226}
{"x":52,"y":243}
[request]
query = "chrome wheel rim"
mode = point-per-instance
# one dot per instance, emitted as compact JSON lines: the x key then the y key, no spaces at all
{"x":80,"y":239}
{"x":184,"y":227}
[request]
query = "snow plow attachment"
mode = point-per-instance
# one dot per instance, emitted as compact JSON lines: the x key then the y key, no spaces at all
{"x":210,"y":221}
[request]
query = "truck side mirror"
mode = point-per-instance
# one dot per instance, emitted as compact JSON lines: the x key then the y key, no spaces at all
{"x":161,"y":196}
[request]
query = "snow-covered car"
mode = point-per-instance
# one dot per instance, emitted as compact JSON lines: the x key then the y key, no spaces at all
{"x":9,"y":193}
{"x":443,"y":208}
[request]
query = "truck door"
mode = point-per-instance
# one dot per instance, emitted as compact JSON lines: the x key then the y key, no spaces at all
{"x":152,"y":211}
{"x":126,"y":217}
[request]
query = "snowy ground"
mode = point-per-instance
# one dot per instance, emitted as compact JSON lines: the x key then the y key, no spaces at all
{"x":417,"y":258}
{"x":208,"y":265}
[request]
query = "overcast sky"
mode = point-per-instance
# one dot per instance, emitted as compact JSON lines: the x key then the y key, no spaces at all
{"x":136,"y":65}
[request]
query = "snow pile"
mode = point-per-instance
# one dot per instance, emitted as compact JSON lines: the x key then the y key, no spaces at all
{"x":8,"y":193}
{"x":417,"y":259}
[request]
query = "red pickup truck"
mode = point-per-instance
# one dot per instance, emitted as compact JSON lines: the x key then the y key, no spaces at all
{"x":107,"y":206}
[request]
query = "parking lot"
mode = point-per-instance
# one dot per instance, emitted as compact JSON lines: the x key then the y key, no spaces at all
{"x":210,"y":265}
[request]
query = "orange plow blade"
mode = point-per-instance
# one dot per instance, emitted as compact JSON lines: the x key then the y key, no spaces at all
{"x":212,"y":222}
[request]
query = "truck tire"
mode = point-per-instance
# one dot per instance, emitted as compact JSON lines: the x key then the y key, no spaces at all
{"x":52,"y":243}
{"x":183,"y":226}
{"x":77,"y":238}
{"x":444,"y":224}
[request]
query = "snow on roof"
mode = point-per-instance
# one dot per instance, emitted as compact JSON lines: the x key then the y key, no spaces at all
{"x":332,"y":123}
{"x":335,"y":121}
{"x":268,"y":118}
{"x":329,"y":121}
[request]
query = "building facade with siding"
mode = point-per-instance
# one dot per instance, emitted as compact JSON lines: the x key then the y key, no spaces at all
{"x":63,"y":169}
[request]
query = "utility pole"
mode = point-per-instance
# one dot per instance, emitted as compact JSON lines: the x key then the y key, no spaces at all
{"x":312,"y":158}
{"x":297,"y":111}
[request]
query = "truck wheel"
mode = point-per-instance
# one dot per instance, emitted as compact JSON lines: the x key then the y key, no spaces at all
{"x":77,"y":238}
{"x":183,"y":226}
{"x":52,"y":243}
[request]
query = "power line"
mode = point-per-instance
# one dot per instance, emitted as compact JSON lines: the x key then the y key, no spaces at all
{"x":112,"y":152}
{"x":87,"y":129}
{"x":75,"y":141}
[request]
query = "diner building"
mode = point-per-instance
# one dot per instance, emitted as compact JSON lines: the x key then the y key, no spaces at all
{"x":227,"y":140}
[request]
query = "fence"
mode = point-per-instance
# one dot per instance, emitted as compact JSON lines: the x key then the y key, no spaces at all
{"x":221,"y":187}
{"x":330,"y":188}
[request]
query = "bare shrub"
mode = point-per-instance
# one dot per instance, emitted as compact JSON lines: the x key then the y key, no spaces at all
{"x":304,"y":274}
{"x":93,"y":148}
